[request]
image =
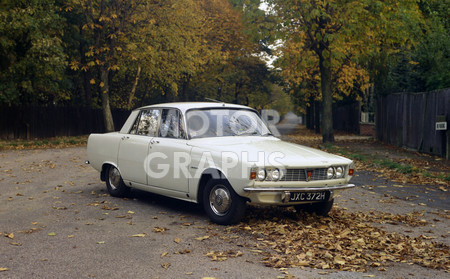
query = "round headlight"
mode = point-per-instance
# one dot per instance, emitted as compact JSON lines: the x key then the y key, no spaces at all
{"x":261,"y":174}
{"x":339,"y":172}
{"x":330,"y":172}
{"x":275,"y":174}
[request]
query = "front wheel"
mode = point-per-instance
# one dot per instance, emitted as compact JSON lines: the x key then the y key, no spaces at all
{"x":222,"y":204}
{"x":320,"y":208}
{"x":114,"y":183}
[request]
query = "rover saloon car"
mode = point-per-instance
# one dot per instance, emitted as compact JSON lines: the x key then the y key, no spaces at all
{"x":219,"y":155}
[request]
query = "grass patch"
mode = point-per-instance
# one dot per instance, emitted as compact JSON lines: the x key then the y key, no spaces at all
{"x":359,"y":157}
{"x":375,"y":163}
{"x":57,"y":142}
{"x":403,"y":168}
{"x":443,"y":177}
{"x":329,"y":146}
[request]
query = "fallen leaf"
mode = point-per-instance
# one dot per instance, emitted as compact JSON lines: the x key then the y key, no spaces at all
{"x":165,"y":265}
{"x":130,"y":212}
{"x":10,"y":235}
{"x":3,"y":269}
{"x":100,"y":242}
{"x":310,"y":240}
{"x":139,"y":235}
{"x":177,"y":240}
{"x":202,"y":238}
{"x":159,"y":229}
{"x":52,"y":234}
{"x":182,"y":252}
{"x":164,"y":254}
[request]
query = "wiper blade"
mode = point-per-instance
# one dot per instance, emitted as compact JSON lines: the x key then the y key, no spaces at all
{"x":249,"y":134}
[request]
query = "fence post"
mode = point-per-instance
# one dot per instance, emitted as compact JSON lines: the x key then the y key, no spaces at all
{"x":447,"y":155}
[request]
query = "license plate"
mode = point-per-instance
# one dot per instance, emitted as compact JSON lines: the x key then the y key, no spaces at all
{"x":309,"y":196}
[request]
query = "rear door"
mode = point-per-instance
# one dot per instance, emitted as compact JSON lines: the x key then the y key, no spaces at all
{"x":134,"y":146}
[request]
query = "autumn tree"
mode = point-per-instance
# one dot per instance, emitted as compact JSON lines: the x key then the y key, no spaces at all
{"x":259,"y":26}
{"x":224,"y":45}
{"x":108,"y":25}
{"x":32,"y":58}
{"x":391,"y":28}
{"x":168,"y":46}
{"x":424,"y":66}
{"x":335,"y":37}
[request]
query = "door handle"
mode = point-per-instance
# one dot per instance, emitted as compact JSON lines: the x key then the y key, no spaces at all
{"x":154,"y":141}
{"x":125,"y":137}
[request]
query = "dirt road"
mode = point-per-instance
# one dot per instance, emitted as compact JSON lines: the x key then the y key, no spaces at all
{"x":56,"y":221}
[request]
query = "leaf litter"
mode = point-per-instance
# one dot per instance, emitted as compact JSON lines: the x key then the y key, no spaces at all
{"x":343,"y":241}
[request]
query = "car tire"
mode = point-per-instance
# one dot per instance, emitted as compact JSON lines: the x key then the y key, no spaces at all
{"x":114,"y":183}
{"x":320,"y":208}
{"x":221,"y":203}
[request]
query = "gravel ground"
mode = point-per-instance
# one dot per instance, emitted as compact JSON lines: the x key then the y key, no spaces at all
{"x":56,"y":221}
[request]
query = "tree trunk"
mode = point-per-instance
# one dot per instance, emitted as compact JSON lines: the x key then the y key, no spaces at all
{"x":133,"y":89}
{"x":107,"y":115}
{"x":237,"y":90}
{"x":86,"y":76}
{"x":317,"y":117}
{"x":308,"y":118}
{"x":327,"y":98}
{"x":87,"y":89}
{"x":184,"y":89}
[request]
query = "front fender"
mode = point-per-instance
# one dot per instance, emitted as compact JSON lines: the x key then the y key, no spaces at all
{"x":217,"y":165}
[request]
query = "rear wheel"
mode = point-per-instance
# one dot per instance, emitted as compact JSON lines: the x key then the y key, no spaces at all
{"x":320,"y":208}
{"x":221,"y":203}
{"x":114,"y":183}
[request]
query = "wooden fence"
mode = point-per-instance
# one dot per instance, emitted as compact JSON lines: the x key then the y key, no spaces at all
{"x":409,"y":120}
{"x":346,"y":117}
{"x":51,"y":121}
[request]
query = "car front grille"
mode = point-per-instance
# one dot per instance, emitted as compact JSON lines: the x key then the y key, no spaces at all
{"x":301,"y":174}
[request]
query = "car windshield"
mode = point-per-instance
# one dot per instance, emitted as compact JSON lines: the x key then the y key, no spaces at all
{"x":217,"y":122}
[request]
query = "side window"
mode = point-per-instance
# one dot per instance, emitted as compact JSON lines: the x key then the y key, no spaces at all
{"x":147,"y":123}
{"x":135,"y":125}
{"x":171,"y":124}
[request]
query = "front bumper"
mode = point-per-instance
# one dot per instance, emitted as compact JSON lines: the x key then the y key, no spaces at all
{"x":281,"y":195}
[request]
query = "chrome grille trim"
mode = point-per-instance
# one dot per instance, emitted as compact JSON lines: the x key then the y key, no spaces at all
{"x":301,"y":174}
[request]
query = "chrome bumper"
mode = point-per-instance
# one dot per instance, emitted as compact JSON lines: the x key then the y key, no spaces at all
{"x":299,"y":189}
{"x":286,"y":192}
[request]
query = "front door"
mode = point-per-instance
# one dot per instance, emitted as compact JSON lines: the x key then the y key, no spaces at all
{"x":169,"y":154}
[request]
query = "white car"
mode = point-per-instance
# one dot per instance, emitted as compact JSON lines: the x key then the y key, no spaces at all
{"x":216,"y":154}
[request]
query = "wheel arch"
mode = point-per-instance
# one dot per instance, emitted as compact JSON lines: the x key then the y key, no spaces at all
{"x":207,"y":174}
{"x":105,"y":166}
{"x":211,"y":173}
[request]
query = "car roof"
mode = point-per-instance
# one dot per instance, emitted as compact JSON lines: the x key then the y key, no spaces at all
{"x":184,"y":106}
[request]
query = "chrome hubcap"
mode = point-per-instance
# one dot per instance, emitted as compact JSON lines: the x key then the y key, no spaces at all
{"x":114,"y":178}
{"x":220,"y":200}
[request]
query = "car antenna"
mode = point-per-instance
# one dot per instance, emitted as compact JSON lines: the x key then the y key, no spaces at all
{"x":213,"y":100}
{"x":216,"y":101}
